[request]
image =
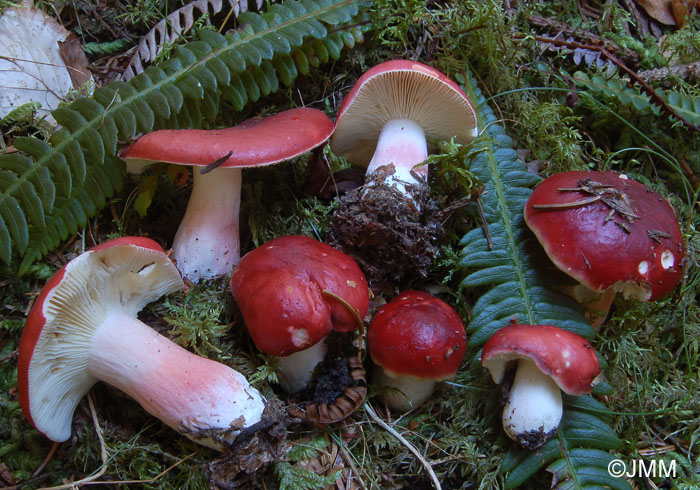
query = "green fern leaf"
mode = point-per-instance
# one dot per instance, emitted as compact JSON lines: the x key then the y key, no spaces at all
{"x":513,"y":264}
{"x":49,"y":191}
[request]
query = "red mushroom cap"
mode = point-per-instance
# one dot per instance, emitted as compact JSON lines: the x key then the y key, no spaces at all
{"x":400,"y":89}
{"x":265,"y":141}
{"x":628,"y":239}
{"x":417,"y":335}
{"x":40,"y":370}
{"x":565,"y":356}
{"x":279,"y":290}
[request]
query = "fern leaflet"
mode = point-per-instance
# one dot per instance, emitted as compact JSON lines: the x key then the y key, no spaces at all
{"x":520,"y":278}
{"x":45,"y":192}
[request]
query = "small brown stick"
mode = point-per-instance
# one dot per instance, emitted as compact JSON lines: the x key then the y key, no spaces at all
{"x":46,"y":460}
{"x":648,"y":89}
{"x":216,"y":163}
{"x":354,"y":313}
{"x":567,"y":205}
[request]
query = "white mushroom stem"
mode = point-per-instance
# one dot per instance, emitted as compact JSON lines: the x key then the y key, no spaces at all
{"x":191,"y":394}
{"x":534,"y":406}
{"x":401,"y":144}
{"x":407,"y":392}
{"x":295,"y":371}
{"x":207,"y":244}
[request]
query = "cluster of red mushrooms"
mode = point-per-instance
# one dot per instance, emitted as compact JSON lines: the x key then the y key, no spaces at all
{"x":608,"y":232}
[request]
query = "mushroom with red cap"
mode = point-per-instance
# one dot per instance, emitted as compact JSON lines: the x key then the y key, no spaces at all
{"x":206,"y":244}
{"x":83,"y":328}
{"x":415,"y":340}
{"x":391,"y":112}
{"x":610,"y":233}
{"x":292,"y":291}
{"x":548,"y":360}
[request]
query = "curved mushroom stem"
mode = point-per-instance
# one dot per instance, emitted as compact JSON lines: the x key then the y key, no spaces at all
{"x":206,"y":244}
{"x":295,"y":371}
{"x":597,"y":305}
{"x":534,"y":409}
{"x":401,"y":144}
{"x":205,"y":400}
{"x":407,"y":393}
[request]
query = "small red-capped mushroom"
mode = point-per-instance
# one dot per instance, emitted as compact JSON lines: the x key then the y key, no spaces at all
{"x":206,"y":244}
{"x":415,"y":340}
{"x":608,"y":231}
{"x":287,"y":291}
{"x":549,"y":360}
{"x":390,"y":112}
{"x":83,"y":328}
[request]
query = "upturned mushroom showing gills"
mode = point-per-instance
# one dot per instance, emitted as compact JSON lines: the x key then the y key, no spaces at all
{"x":391,"y":225}
{"x":83,"y":328}
{"x":415,"y":340}
{"x":206,"y":244}
{"x":390,"y":113}
{"x":547,"y":360}
{"x":609,"y":232}
{"x":292,"y":291}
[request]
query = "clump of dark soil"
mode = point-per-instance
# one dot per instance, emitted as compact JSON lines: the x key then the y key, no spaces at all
{"x":390,"y":235}
{"x":253,"y":450}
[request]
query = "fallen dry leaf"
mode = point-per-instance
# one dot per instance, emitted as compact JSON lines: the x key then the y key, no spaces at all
{"x":659,"y":10}
{"x":31,"y":66}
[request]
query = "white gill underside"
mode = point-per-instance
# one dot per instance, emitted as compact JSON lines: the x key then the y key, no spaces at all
{"x":58,"y":378}
{"x":441,"y":111}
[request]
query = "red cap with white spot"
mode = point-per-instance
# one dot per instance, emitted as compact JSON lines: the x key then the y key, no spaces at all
{"x":607,"y":230}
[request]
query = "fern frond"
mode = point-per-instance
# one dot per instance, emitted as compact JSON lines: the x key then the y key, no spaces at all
{"x":685,"y":106}
{"x":512,"y":265}
{"x":184,"y":91}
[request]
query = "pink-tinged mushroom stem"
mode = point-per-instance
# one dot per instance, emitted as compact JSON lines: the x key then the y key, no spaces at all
{"x":406,"y":393}
{"x":534,"y":408}
{"x":189,"y":393}
{"x":401,"y":144}
{"x":596,"y":304}
{"x":207,"y":243}
{"x":295,"y":371}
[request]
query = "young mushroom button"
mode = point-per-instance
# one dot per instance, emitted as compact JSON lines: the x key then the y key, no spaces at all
{"x":292,"y":291}
{"x":206,"y":244}
{"x":83,"y":328}
{"x":548,"y":360}
{"x":609,"y":232}
{"x":415,"y":340}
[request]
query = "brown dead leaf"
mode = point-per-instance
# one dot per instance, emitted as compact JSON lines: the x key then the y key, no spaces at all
{"x":74,"y":57}
{"x":659,"y":10}
{"x":30,"y":60}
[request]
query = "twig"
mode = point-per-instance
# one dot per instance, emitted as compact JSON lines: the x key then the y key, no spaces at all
{"x":571,"y":31}
{"x":46,"y":460}
{"x":103,"y":454}
{"x":648,"y":89}
{"x":409,"y":446}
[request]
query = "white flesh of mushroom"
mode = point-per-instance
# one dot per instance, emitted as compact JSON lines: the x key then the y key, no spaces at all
{"x":534,"y":404}
{"x":206,"y":244}
{"x":401,"y":144}
{"x":295,"y":371}
{"x":407,"y":392}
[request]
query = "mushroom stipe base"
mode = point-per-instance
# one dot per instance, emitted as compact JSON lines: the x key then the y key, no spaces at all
{"x":390,"y":235}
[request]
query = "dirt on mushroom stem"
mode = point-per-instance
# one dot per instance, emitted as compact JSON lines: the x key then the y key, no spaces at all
{"x":391,"y":236}
{"x":253,"y":450}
